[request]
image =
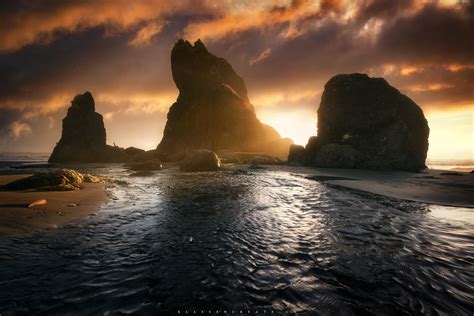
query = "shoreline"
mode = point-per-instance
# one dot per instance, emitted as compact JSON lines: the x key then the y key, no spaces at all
{"x":437,"y":187}
{"x":429,"y":186}
{"x":62,"y":208}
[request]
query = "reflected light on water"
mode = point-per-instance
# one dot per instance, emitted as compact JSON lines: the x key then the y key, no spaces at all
{"x":452,"y":213}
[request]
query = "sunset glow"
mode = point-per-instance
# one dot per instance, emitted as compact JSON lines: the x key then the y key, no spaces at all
{"x":284,"y":50}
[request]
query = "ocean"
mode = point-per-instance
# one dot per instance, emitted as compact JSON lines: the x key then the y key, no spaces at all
{"x":9,"y":159}
{"x":242,"y":242}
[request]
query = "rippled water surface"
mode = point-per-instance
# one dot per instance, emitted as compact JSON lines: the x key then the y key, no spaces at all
{"x":253,"y":240}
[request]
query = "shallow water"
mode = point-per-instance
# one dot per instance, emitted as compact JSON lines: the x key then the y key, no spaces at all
{"x":250,"y":241}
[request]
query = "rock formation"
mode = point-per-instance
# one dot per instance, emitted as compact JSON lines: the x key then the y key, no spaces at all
{"x":83,"y":136}
{"x":364,"y":122}
{"x":212,"y":110}
{"x":57,"y":180}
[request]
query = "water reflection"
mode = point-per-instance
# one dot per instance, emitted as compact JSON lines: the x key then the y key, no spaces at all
{"x":245,"y":240}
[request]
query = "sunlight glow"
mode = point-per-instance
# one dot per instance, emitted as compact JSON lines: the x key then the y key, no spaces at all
{"x":451,"y":134}
{"x":298,"y":126}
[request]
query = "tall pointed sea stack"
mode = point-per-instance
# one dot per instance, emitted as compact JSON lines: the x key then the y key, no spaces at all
{"x":83,"y":136}
{"x":366,"y":123}
{"x":213,"y":110}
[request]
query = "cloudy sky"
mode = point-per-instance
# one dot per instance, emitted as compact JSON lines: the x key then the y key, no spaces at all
{"x":51,"y":50}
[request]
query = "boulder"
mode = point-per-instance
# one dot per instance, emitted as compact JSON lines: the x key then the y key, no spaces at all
{"x":364,"y":122}
{"x":58,"y":180}
{"x":201,"y":160}
{"x":212,"y":110}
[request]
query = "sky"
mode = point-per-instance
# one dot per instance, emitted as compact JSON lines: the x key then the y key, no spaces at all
{"x":51,"y":50}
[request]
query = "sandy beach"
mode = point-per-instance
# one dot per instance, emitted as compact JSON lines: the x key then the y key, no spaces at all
{"x":429,"y":186}
{"x":62,"y":207}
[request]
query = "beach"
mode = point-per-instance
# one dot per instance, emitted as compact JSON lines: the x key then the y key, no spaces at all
{"x":442,"y":187}
{"x":438,"y":187}
{"x":279,"y":239}
{"x":62,"y":207}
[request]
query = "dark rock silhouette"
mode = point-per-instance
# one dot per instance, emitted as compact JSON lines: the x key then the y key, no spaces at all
{"x":200,"y":160}
{"x":364,"y":122}
{"x":134,"y":151}
{"x":83,"y":136}
{"x":212,"y":110}
{"x":297,"y":153}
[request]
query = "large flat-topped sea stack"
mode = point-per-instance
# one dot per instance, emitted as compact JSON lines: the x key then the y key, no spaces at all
{"x":213,"y":110}
{"x":364,"y":122}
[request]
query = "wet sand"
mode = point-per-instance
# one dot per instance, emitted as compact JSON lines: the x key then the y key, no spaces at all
{"x":430,"y":186}
{"x":17,"y":219}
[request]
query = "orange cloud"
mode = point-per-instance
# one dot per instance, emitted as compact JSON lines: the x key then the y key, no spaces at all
{"x":263,"y":55}
{"x":37,"y":24}
{"x":145,"y":34}
{"x":18,"y":129}
{"x":430,"y":87}
{"x":263,"y":17}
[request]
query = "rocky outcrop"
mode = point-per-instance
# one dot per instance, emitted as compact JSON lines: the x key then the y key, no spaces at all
{"x":83,"y":136}
{"x":200,"y":160}
{"x":364,"y":122}
{"x":58,"y":180}
{"x":212,"y":110}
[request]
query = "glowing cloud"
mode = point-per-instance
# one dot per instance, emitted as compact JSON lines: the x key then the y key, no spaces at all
{"x":19,"y":129}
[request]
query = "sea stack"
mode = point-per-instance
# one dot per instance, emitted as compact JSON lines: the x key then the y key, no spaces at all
{"x":365,"y":123}
{"x":212,"y":110}
{"x":83,"y":136}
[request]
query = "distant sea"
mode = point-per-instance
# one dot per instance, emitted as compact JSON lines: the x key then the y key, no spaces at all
{"x":465,"y":165}
{"x":7,"y":159}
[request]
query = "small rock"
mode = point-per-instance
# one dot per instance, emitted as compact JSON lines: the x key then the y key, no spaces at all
{"x":72,"y":204}
{"x":38,"y":202}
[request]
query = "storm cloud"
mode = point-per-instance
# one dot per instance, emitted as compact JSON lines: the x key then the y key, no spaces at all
{"x":285,"y":50}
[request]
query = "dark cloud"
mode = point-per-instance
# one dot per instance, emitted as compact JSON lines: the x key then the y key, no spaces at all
{"x":51,"y":50}
{"x":432,"y":35}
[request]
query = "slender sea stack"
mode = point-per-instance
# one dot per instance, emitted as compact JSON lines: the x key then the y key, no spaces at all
{"x":83,"y":136}
{"x":212,"y":110}
{"x":365,"y":123}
